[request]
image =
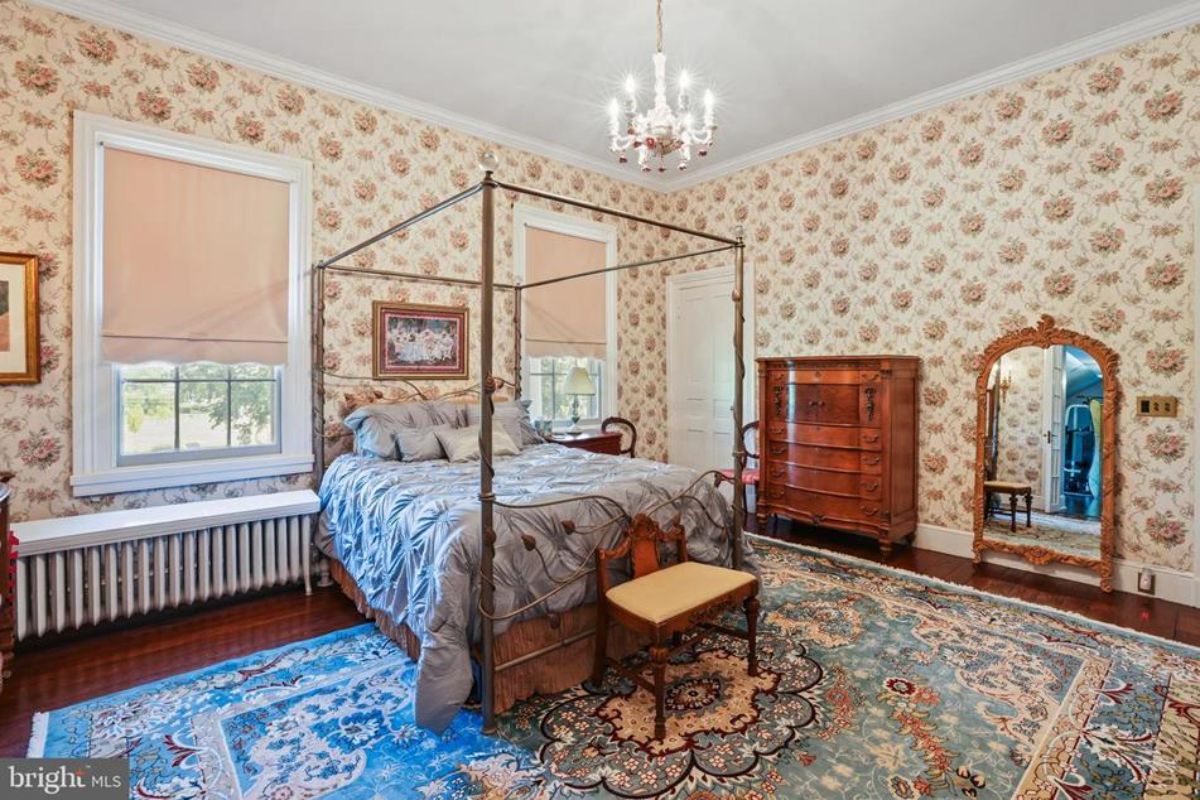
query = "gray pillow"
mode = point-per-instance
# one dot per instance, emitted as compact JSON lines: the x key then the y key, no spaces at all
{"x":375,"y":426}
{"x":513,"y":417}
{"x":420,"y":444}
{"x":462,"y":444}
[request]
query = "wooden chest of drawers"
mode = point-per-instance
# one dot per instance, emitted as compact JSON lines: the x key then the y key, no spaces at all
{"x":838,"y":443}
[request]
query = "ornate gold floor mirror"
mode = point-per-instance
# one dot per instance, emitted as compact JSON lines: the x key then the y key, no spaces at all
{"x":1046,"y":448}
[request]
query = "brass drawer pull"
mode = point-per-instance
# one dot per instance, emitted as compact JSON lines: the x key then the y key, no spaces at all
{"x":872,"y":460}
{"x":870,"y":487}
{"x":778,"y":449}
{"x":870,"y":438}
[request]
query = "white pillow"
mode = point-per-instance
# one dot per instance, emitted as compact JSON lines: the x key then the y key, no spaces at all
{"x":462,"y":444}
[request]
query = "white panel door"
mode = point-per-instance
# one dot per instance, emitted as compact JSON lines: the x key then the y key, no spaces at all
{"x":700,"y":371}
{"x":1053,"y":401}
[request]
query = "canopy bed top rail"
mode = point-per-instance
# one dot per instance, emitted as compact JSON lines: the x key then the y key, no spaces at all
{"x":411,"y":276}
{"x":416,"y":276}
{"x":628,"y":265}
{"x":614,"y":212}
{"x":432,"y":211}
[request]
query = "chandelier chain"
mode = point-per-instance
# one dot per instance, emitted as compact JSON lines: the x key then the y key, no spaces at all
{"x":659,"y":27}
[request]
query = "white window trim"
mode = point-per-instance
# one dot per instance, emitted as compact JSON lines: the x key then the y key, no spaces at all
{"x":94,"y":469}
{"x":526,"y":216}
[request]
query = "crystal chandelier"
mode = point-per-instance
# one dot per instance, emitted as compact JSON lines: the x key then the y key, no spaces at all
{"x":660,"y":131}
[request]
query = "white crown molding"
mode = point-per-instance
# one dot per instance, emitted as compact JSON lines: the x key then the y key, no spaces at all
{"x":1092,"y":45}
{"x":107,"y":13}
{"x":152,"y":27}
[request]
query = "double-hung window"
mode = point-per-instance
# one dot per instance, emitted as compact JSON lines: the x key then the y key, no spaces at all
{"x":570,"y":322}
{"x":172,"y":413}
{"x":547,"y":376}
{"x":191,"y":327}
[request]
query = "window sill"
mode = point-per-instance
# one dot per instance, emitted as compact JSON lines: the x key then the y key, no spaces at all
{"x":188,"y":473}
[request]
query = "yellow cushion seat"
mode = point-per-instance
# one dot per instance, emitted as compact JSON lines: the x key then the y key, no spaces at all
{"x":1007,"y":486}
{"x":676,"y":589}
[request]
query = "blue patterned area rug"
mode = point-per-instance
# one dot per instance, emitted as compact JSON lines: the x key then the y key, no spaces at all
{"x":873,"y":684}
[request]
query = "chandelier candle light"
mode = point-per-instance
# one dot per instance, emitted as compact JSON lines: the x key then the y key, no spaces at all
{"x":660,"y":131}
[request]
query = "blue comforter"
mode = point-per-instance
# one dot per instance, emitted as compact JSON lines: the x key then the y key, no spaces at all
{"x":409,"y":535}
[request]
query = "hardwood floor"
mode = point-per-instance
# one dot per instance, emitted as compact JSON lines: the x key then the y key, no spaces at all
{"x":1145,"y":614}
{"x":51,"y":675}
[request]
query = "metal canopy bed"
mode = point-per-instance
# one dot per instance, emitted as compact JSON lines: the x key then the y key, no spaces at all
{"x":489,"y":384}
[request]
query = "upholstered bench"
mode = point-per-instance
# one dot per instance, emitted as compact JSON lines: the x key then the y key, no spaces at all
{"x":1013,"y":490}
{"x":665,"y":602}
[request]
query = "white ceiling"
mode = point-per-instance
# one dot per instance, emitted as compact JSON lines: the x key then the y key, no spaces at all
{"x":538,"y":73}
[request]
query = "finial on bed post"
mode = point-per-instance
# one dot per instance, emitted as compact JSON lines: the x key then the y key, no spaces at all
{"x":489,"y":163}
{"x":739,"y":382}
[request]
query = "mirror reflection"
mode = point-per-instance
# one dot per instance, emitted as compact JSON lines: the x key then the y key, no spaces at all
{"x":1043,"y":450}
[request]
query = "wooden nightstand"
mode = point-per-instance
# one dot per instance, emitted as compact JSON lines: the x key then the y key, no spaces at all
{"x":592,"y":441}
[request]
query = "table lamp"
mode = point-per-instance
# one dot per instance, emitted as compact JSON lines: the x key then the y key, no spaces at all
{"x":578,"y":383}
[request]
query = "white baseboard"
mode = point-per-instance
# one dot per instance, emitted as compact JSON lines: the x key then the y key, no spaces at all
{"x":1170,"y":584}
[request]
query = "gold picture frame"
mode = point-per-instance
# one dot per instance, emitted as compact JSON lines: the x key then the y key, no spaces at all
{"x":411,"y":341}
{"x":20,"y":345}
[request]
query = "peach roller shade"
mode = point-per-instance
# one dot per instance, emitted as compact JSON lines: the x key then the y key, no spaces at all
{"x":195,"y":263}
{"x":568,"y":318}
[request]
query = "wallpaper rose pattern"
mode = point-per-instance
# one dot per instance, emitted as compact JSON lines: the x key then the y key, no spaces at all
{"x":1020,"y":452}
{"x":1064,"y":194}
{"x":371,"y":168}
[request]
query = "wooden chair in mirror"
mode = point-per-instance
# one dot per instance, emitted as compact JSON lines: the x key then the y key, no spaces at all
{"x":1046,"y":448}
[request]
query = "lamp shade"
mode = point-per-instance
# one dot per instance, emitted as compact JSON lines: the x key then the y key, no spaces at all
{"x":578,"y":381}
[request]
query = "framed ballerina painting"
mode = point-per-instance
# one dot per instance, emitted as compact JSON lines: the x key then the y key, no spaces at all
{"x":19,"y":346}
{"x":419,"y":341}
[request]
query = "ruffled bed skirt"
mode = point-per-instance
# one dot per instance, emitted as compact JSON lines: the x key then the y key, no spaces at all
{"x":547,"y":673}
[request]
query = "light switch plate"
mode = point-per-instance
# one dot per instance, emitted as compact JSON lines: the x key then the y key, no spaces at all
{"x":1157,"y":405}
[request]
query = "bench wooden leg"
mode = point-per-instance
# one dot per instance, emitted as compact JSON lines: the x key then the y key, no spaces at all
{"x":1029,"y":509}
{"x":600,"y":656}
{"x":658,"y":657}
{"x":751,"y":606}
{"x":1012,"y":509}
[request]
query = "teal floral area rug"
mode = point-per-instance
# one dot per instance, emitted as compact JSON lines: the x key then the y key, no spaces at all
{"x":873,"y":683}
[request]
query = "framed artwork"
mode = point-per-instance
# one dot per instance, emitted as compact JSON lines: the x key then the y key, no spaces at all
{"x":19,"y":345}
{"x":417,"y":341}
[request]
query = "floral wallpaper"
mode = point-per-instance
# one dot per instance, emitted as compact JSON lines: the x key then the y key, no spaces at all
{"x":1067,"y":194}
{"x":1020,"y":452}
{"x":372,"y":167}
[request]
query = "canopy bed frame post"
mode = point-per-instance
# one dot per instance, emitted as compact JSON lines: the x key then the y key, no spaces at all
{"x":739,"y":380}
{"x":517,"y":379}
{"x":487,"y":498}
{"x":318,"y":372}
